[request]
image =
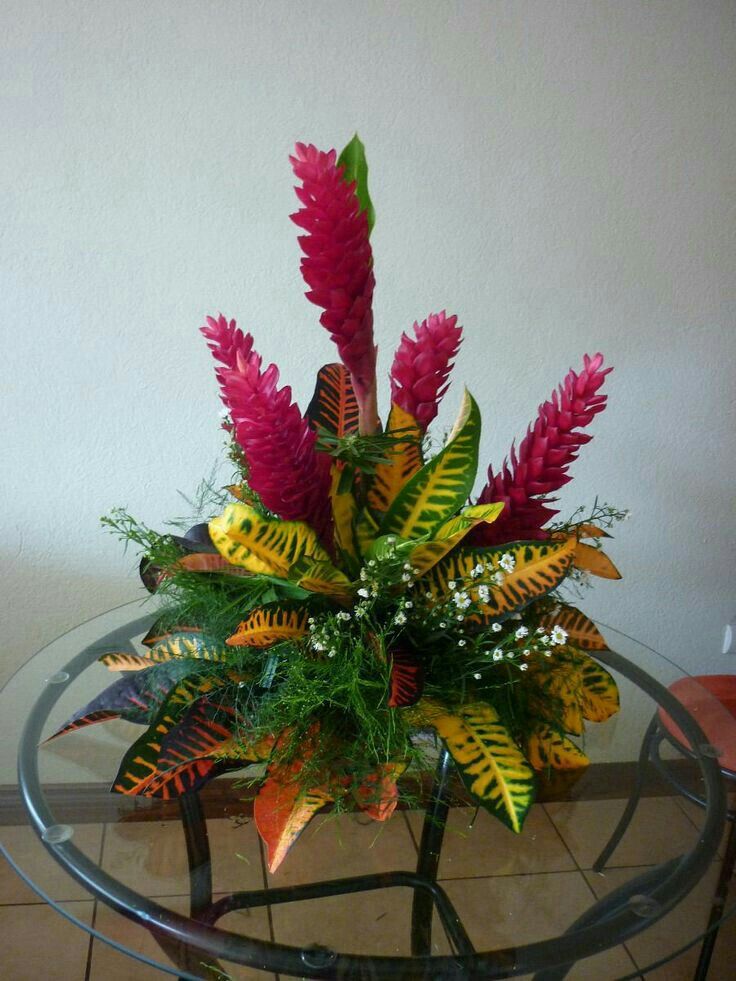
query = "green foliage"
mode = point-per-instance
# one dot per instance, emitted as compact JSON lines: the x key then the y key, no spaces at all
{"x":354,"y":161}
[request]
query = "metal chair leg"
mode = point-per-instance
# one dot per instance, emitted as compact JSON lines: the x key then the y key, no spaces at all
{"x":633,"y":801}
{"x":718,"y":906}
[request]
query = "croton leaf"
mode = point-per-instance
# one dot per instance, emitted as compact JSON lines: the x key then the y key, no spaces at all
{"x":333,"y":407}
{"x":378,"y":795}
{"x":283,"y":809}
{"x":403,"y":460}
{"x":580,"y":630}
{"x":559,"y":679}
{"x":207,"y":562}
{"x":161,"y":629}
{"x":451,"y":533}
{"x":195,"y":647}
{"x":366,"y":531}
{"x":121,"y":661}
{"x":317,"y":576}
{"x":407,"y":679}
{"x":539,"y":567}
{"x":267,"y":625}
{"x":547,"y":747}
{"x":594,"y":561}
{"x":344,"y":512}
{"x":437,"y":491}
{"x":600,"y":698}
{"x":263,"y":545}
{"x":140,"y":766}
{"x":134,"y":697}
{"x":489,"y":762}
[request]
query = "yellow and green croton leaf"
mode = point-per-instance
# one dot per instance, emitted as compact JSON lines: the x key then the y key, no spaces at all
{"x":437,"y":491}
{"x":599,"y":692}
{"x":403,"y":460}
{"x":196,"y":647}
{"x":489,"y":762}
{"x":318,"y":576}
{"x":122,"y":661}
{"x":266,"y":546}
{"x":344,"y":513}
{"x":267,"y":625}
{"x":538,"y":568}
{"x":450,"y":533}
{"x":548,"y":748}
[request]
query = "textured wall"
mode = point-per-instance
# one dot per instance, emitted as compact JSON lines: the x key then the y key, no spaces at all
{"x":559,"y":174}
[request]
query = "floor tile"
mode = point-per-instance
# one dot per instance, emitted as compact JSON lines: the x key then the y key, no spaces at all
{"x":676,"y":929}
{"x":697,"y":816}
{"x":25,"y":848}
{"x":150,"y":856}
{"x":336,"y":847}
{"x":38,"y":942}
{"x":659,"y":830}
{"x":490,"y":848}
{"x":360,"y":923}
{"x":508,"y":911}
{"x":109,"y":964}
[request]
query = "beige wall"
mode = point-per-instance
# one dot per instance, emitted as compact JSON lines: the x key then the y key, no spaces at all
{"x":560,"y":174}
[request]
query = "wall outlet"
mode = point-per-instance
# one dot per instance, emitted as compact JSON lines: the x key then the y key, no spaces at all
{"x":729,"y":639}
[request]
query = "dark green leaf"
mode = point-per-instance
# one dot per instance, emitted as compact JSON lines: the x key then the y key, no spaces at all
{"x":353,"y":160}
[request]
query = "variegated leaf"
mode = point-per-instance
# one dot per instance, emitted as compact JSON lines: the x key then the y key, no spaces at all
{"x":195,"y":647}
{"x":267,"y":625}
{"x":404,"y":459}
{"x":423,"y":556}
{"x":283,"y":809}
{"x":580,"y":630}
{"x":122,"y":661}
{"x":437,"y":491}
{"x":263,"y":545}
{"x":333,"y":406}
{"x":549,"y":748}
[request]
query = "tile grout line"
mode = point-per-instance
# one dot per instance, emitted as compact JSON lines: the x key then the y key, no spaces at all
{"x":90,"y":946}
{"x":585,"y":878}
{"x":264,"y":876}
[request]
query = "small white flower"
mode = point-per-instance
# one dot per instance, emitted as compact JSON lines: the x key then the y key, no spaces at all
{"x":443,"y":624}
{"x":462,"y":600}
{"x":498,"y":654}
{"x":374,"y":589}
{"x":400,"y":618}
{"x":429,"y":595}
{"x":310,"y":621}
{"x":461,"y":643}
{"x":452,"y":584}
{"x":540,"y":630}
{"x":343,"y":615}
{"x":498,"y":578}
{"x":364,"y":593}
{"x":415,"y":572}
{"x":559,"y":636}
{"x":330,"y":653}
{"x":507,"y":562}
{"x":484,"y":594}
{"x":521,"y":632}
{"x":545,"y":639}
{"x":496,"y":628}
{"x":407,"y":566}
{"x":372,"y":563}
{"x":477,"y":676}
{"x":509,"y":654}
{"x":406,"y":576}
{"x":477,"y":570}
{"x":523,"y":667}
{"x":526,"y":652}
{"x":391,"y":539}
{"x":408,"y":604}
{"x":360,"y":611}
{"x":459,"y":618}
{"x":363,"y":574}
{"x":547,"y":653}
{"x":317,"y":646}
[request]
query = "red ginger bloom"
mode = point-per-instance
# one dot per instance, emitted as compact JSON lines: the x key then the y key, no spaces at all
{"x":284,"y":468}
{"x":421,"y":367}
{"x":338,"y":267}
{"x":540,"y":466}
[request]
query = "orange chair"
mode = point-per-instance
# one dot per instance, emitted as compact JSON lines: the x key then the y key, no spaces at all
{"x":711,"y":700}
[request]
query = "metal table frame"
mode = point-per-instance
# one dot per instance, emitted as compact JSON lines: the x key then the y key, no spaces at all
{"x":195,"y":940}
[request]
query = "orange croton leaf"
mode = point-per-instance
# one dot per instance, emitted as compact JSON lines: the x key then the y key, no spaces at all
{"x":594,"y":561}
{"x":283,"y":809}
{"x":379,"y":794}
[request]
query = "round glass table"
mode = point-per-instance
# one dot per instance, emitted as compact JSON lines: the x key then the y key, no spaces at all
{"x":590,"y":889}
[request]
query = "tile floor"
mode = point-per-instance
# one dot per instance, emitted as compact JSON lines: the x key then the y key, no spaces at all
{"x":507,"y":889}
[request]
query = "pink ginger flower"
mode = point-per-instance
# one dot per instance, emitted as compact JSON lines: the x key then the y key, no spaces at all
{"x":284,"y":468}
{"x":421,"y":367}
{"x":540,"y":466}
{"x":338,"y":267}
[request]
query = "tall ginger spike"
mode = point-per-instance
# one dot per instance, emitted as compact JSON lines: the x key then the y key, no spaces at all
{"x":421,"y":366}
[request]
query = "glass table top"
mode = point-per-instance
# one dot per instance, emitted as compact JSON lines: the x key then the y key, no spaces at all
{"x":523,"y":898}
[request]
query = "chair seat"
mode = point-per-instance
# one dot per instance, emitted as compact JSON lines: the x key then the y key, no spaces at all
{"x":711,"y":700}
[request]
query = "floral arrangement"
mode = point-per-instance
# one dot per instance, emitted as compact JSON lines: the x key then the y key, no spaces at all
{"x":345,"y":599}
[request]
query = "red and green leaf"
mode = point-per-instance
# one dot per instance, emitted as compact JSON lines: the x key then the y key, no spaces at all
{"x":378,"y":795}
{"x":407,"y":679}
{"x":333,"y":406}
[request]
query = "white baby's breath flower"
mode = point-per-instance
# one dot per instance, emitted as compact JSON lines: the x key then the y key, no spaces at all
{"x":400,"y":618}
{"x":429,"y":595}
{"x":559,"y":636}
{"x":408,"y":604}
{"x":545,"y":639}
{"x":452,"y":584}
{"x":526,"y":652}
{"x":461,"y":643}
{"x":459,"y":618}
{"x":507,"y":562}
{"x":477,"y":675}
{"x":540,"y":630}
{"x":363,"y":574}
{"x":317,"y":645}
{"x":364,"y":593}
{"x":498,"y":578}
{"x":521,"y":632}
{"x":498,"y":654}
{"x":523,"y":667}
{"x":372,"y":563}
{"x":343,"y":615}
{"x":330,"y":653}
{"x":484,"y":594}
{"x":462,"y":600}
{"x":496,"y":628}
{"x":406,"y":576}
{"x":477,"y":570}
{"x":442,"y":624}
